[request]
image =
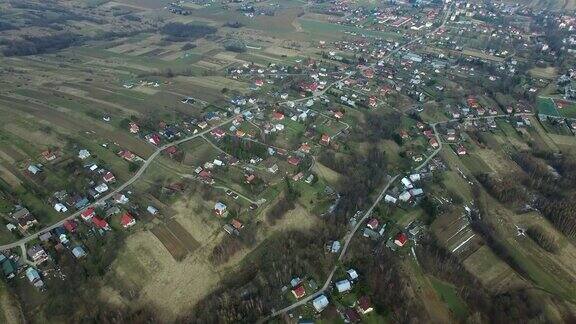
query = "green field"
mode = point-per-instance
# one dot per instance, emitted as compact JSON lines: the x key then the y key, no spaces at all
{"x":448,"y":294}
{"x":334,"y":31}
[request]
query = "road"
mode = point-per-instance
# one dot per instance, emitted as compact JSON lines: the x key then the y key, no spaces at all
{"x":126,"y":184}
{"x":347,"y":239}
{"x":350,"y":235}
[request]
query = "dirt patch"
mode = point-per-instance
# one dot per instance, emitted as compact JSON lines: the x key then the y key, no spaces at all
{"x":148,"y":273}
{"x":170,"y":242}
{"x":183,"y":235}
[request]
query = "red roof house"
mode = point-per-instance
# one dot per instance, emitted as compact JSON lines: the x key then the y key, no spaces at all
{"x":305,"y":148}
{"x":127,"y":155}
{"x":278,"y":115}
{"x":88,"y":214}
{"x":171,"y":150}
{"x":70,"y":226}
{"x":126,"y":220}
{"x":364,"y":306}
{"x":461,"y":150}
{"x":433,"y":142}
{"x":109,"y":177}
{"x":400,"y":239}
{"x":294,"y":160}
{"x":373,"y":224}
{"x":325,"y":139}
{"x":299,"y":292}
{"x":154,"y":139}
{"x":100,"y":223}
{"x":218,"y":133}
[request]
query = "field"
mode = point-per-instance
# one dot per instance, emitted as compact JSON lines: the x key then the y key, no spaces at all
{"x":448,"y":294}
{"x":9,"y":309}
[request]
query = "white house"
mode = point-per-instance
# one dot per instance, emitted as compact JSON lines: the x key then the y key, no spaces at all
{"x":343,"y":286}
{"x":320,"y":303}
{"x":407,"y":184}
{"x":60,"y":208}
{"x":83,"y":154}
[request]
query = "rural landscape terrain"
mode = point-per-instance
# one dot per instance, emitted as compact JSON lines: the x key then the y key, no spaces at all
{"x":287,"y":161}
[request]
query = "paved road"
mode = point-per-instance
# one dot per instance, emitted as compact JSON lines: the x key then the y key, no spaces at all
{"x":134,"y":178}
{"x":347,"y":240}
{"x":350,"y":235}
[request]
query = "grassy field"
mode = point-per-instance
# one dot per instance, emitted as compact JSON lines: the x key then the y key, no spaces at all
{"x":10,"y":312}
{"x":447,"y":293}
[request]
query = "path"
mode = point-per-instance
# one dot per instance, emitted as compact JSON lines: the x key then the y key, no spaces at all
{"x":138,"y":174}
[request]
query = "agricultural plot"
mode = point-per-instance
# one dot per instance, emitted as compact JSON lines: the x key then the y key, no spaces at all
{"x":170,"y":242}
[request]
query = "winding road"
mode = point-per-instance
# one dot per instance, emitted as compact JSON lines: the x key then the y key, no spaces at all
{"x":21,"y":243}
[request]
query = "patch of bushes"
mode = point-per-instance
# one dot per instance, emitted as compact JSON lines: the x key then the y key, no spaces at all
{"x":543,"y":239}
{"x":178,"y":32}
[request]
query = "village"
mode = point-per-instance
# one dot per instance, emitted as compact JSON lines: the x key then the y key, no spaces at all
{"x":407,"y":108}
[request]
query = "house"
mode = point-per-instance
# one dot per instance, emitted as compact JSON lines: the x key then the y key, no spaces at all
{"x":461,"y":150}
{"x":343,"y":286}
{"x":218,"y":133}
{"x":127,"y":155}
{"x":299,"y":291}
{"x":364,"y":305}
{"x":400,"y":239}
{"x":352,"y":315}
{"x":373,"y":224}
{"x":126,"y":220}
{"x":415,"y":177}
{"x":134,"y":128}
{"x":352,"y":274}
{"x":273,"y":168}
{"x":100,"y":223}
{"x":109,"y":177}
{"x":294,"y":160}
{"x":45,"y":236}
{"x":37,"y":254}
{"x":298,"y":176}
{"x":101,"y":188}
{"x":249,"y":178}
{"x":152,"y":210}
{"x":120,"y":198}
{"x":304,"y":148}
{"x":8,"y":267}
{"x":83,"y":154}
{"x":407,"y":183}
{"x":433,"y":142}
{"x":237,"y":224}
{"x":278,"y":115}
{"x":71,"y":226}
{"x":48,"y":155}
{"x":390,"y":199}
{"x":34,"y":169}
{"x":24,"y":219}
{"x":154,"y":139}
{"x":320,"y":303}
{"x":334,"y":247}
{"x":171,"y":151}
{"x":34,"y":277}
{"x":61,"y":208}
{"x":405,"y":196}
{"x":338,"y":114}
{"x":88,"y":214}
{"x":325,"y":139}
{"x":220,"y":209}
{"x":78,"y":252}
{"x":416,"y":192}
